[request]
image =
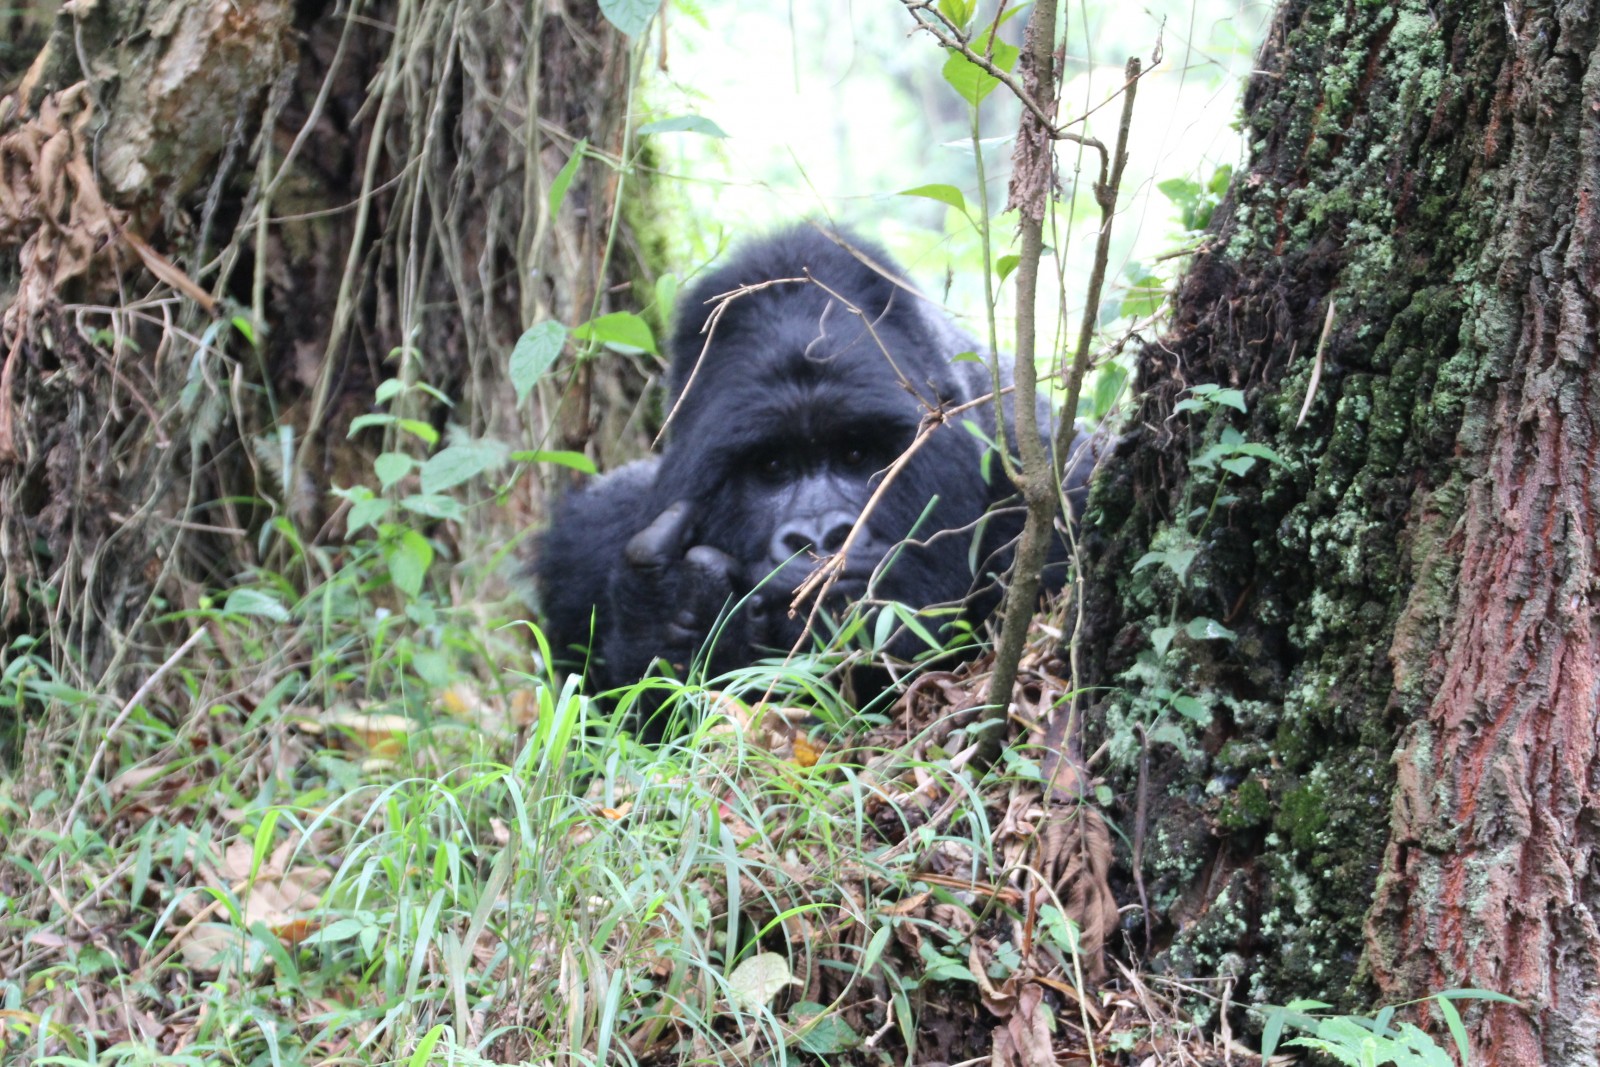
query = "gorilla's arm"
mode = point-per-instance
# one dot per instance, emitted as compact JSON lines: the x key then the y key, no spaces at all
{"x":580,"y":553}
{"x":638,"y":579}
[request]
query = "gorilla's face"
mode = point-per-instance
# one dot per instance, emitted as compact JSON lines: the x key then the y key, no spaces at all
{"x":806,"y":422}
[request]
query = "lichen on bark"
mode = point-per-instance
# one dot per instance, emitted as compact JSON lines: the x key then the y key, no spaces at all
{"x":1367,"y":123}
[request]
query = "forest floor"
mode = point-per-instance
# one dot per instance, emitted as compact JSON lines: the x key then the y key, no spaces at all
{"x":491,"y":872}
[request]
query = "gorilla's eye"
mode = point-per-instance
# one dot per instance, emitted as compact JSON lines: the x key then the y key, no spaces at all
{"x":772,"y":467}
{"x":854,"y":457}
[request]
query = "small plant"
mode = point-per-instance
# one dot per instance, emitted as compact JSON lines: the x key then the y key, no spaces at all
{"x":1362,"y":1041}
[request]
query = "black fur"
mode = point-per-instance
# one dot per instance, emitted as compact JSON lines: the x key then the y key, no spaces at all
{"x":781,"y":430}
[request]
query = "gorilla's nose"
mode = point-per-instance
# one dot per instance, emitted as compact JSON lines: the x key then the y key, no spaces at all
{"x":820,"y":534}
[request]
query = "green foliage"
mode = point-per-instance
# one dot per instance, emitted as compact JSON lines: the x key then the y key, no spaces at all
{"x":536,"y":351}
{"x":563,"y":180}
{"x":972,"y":82}
{"x":632,"y":17}
{"x":945,"y":194}
{"x":684,"y":124}
{"x":1195,"y":202}
{"x":621,"y":330}
{"x":1361,"y":1041}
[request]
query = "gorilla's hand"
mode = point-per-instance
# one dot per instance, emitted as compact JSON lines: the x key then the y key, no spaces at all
{"x":667,"y":600}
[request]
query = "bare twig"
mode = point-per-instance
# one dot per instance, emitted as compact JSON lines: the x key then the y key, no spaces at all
{"x":1316,"y":365}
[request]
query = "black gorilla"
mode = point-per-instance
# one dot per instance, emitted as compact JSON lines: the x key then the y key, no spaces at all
{"x":785,"y":414}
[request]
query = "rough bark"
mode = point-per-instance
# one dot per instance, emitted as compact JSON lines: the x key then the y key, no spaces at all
{"x":365,"y":184}
{"x":1492,"y":873}
{"x":1412,"y":684}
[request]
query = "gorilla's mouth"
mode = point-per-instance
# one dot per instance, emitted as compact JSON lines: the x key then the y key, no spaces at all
{"x":768,"y":608}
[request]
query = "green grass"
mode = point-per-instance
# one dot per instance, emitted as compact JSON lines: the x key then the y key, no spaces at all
{"x":353,"y":826}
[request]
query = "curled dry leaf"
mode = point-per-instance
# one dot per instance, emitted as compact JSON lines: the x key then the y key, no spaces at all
{"x":380,"y":736}
{"x":757,"y":980}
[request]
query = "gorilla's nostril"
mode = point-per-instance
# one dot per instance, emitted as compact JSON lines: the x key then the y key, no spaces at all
{"x":817,"y":535}
{"x":796,"y":541}
{"x":834,"y":539}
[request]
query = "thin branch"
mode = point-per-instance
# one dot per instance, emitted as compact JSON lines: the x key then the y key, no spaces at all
{"x":950,"y":36}
{"x":116,"y":724}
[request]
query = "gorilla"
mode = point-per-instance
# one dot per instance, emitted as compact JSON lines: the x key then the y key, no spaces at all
{"x":801,"y":367}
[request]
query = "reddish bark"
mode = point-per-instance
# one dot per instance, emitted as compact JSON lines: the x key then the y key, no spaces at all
{"x":1492,"y":876}
{"x":1415,"y":588}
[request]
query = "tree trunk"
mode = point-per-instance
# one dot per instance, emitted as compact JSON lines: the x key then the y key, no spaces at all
{"x":364,"y":188}
{"x":1389,"y":788}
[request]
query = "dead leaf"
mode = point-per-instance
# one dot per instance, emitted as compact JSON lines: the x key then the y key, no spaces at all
{"x":755,"y":981}
{"x":380,"y":736}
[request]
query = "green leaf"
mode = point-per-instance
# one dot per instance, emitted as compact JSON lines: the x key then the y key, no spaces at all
{"x":368,"y":512}
{"x":620,"y":329}
{"x":1169,"y":733}
{"x":388,"y":389}
{"x":256,"y":602}
{"x":361,"y":422}
{"x":632,"y":17}
{"x":938,"y":968}
{"x":423,"y":1055}
{"x":434,"y":506}
{"x":451,"y":466}
{"x":821,"y":1033}
{"x":1181,"y":191}
{"x":1144,"y":297}
{"x":1176,"y":560}
{"x":666,"y":296}
{"x":409,"y":556}
{"x":1234,"y":398}
{"x":1477,"y":994}
{"x":684,"y":124}
{"x":959,"y":12}
{"x":536,"y":351}
{"x":390,"y":467}
{"x":558,"y":187}
{"x":1108,"y":386}
{"x":575,"y":460}
{"x":882,"y":630}
{"x":1006,"y":264}
{"x":971,"y":81}
{"x":1239,"y":465}
{"x":945,"y":194}
{"x":1261,"y":452}
{"x":1271,"y":1032}
{"x":1060,"y":929}
{"x":1192,"y":709}
{"x":1452,"y":1019}
{"x":433,"y":667}
{"x":1161,"y":637}
{"x":420,"y":429}
{"x":908,"y":618}
{"x":1202,"y":629}
{"x":246,"y":329}
{"x":1219,"y":180}
{"x":875,"y":947}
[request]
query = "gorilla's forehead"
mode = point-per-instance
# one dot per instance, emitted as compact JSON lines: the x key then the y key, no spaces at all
{"x":822,"y":384}
{"x":745,"y":406}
